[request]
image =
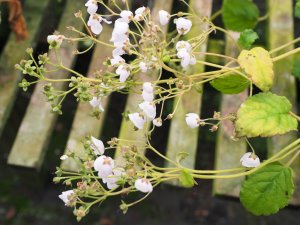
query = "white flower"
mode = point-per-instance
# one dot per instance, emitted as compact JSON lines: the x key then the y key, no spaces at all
{"x":148,"y":96}
{"x":104,"y":165}
{"x":92,"y":6}
{"x":183,"y":45}
{"x":112,"y":180}
{"x":123,"y":71}
{"x":153,"y":58}
{"x":184,"y":56}
{"x":143,"y":185}
{"x":95,"y":23}
{"x":118,"y":52}
{"x":148,"y":92}
{"x":148,"y":87}
{"x":112,"y":183}
{"x":120,"y":30}
{"x":97,"y":146}
{"x":65,"y":195}
{"x":164,"y":17}
{"x":193,"y":60}
{"x":249,"y":159}
{"x":64,"y":157}
{"x":126,"y":16}
{"x":139,"y":13}
{"x":143,"y":67}
{"x":192,"y":120}
{"x":157,"y":122}
{"x":149,"y":109}
{"x":55,"y":40}
{"x":184,"y":53}
{"x":116,"y":60}
{"x":96,"y":103}
{"x":183,"y":25}
{"x":137,"y":119}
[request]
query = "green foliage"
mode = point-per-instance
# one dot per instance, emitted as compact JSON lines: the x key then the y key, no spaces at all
{"x":258,"y":65}
{"x":230,"y":84}
{"x":239,"y":15}
{"x":265,"y":114}
{"x":247,"y":38}
{"x":297,"y":9}
{"x":268,"y":189}
{"x":186,"y":179}
{"x":296,"y":67}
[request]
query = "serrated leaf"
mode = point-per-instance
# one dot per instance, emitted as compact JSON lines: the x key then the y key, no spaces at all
{"x":297,"y":9}
{"x":268,"y":189}
{"x":247,"y":38}
{"x":296,"y":68}
{"x":239,"y":15}
{"x":186,"y":179}
{"x":258,"y":65}
{"x":264,"y":114}
{"x":230,"y":84}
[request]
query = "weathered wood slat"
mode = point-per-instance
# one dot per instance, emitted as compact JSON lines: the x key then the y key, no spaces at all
{"x":229,"y":152}
{"x":182,"y":137}
{"x":37,"y":125}
{"x":13,"y":53}
{"x":127,"y":128}
{"x":281,"y":31}
{"x":215,"y":46}
{"x":84,"y":124}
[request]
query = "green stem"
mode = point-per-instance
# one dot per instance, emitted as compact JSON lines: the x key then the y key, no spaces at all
{"x":295,"y":116}
{"x":287,"y":54}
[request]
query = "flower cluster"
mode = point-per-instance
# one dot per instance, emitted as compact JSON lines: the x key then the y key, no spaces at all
{"x":105,"y":176}
{"x":141,"y":51}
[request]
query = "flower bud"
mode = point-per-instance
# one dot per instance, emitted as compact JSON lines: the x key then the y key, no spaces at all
{"x":78,"y":14}
{"x":214,"y":128}
{"x":56,"y":180}
{"x":29,"y":51}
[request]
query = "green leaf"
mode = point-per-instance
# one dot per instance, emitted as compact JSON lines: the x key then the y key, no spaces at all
{"x":258,"y":65}
{"x":181,"y":156}
{"x":230,"y":84}
{"x":186,"y":179}
{"x":239,"y":15}
{"x":297,"y":9}
{"x":296,"y":67}
{"x":247,"y":38}
{"x":268,"y":189}
{"x":264,"y":114}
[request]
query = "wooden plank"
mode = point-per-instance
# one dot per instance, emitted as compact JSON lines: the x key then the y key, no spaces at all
{"x":127,"y":129}
{"x":37,"y":125}
{"x":281,"y":31}
{"x":215,"y":46}
{"x":182,"y":137}
{"x":13,"y":53}
{"x":229,"y":152}
{"x":83,"y":124}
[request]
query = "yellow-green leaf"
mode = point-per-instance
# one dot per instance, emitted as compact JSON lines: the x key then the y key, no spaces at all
{"x":265,"y":114}
{"x":186,"y":179}
{"x":258,"y":65}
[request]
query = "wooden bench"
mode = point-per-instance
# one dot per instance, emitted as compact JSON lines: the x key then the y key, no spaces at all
{"x":37,"y":125}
